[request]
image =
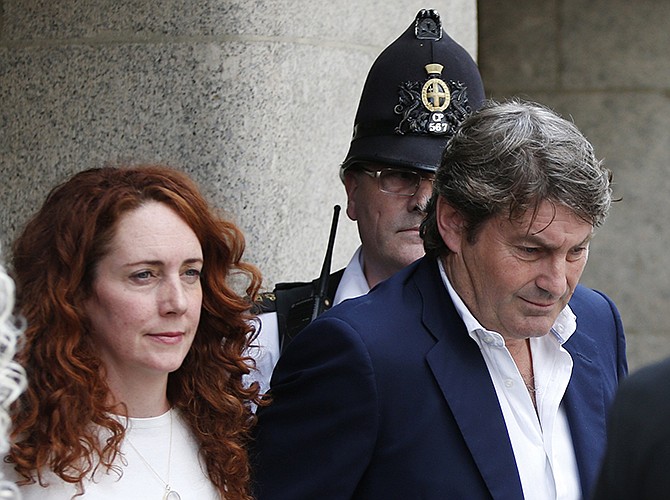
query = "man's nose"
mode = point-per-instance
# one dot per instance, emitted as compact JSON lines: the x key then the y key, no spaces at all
{"x":422,"y":195}
{"x":553,"y":278}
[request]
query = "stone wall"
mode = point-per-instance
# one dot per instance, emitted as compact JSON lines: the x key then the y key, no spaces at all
{"x":254,"y":98}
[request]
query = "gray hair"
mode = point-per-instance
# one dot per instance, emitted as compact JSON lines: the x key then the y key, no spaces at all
{"x":506,"y":159}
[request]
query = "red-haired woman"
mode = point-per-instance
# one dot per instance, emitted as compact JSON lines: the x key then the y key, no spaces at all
{"x":134,"y":345}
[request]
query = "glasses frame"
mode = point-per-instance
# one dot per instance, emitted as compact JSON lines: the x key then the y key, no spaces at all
{"x":377,"y":174}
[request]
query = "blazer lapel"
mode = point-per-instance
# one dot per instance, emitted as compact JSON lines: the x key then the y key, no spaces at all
{"x":464,"y":380}
{"x":584,"y":404}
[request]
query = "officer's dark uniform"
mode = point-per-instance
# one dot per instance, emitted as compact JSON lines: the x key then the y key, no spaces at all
{"x":416,"y":94}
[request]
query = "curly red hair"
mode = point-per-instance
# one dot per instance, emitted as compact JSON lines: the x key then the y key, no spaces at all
{"x":54,"y":261}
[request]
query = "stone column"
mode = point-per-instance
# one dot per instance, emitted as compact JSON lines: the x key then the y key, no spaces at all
{"x":255,"y":99}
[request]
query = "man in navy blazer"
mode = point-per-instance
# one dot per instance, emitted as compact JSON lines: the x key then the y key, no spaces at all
{"x":480,"y":371}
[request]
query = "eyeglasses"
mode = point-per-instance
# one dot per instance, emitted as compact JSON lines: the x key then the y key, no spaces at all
{"x":398,"y":181}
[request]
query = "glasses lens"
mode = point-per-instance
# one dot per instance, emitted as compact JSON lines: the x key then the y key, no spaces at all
{"x":395,"y":181}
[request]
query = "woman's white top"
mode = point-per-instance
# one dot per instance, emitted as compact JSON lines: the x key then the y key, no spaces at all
{"x":151,"y":437}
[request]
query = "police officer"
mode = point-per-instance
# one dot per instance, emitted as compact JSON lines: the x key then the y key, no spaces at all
{"x":417,"y":92}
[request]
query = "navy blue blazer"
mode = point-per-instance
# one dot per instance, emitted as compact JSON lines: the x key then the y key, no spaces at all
{"x":386,"y":396}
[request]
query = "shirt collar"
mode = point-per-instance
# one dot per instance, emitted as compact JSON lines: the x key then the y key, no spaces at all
{"x":353,"y":283}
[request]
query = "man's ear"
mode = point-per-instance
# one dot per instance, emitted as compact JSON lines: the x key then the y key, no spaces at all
{"x":451,"y":225}
{"x":351,"y":185}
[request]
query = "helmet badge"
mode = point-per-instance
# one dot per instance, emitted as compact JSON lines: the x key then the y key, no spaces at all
{"x":435,"y":93}
{"x":433,"y":107}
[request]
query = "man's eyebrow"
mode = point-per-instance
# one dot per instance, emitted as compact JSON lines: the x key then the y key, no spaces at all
{"x":539,"y":241}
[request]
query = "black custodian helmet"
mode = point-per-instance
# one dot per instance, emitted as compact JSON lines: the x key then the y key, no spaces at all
{"x":418,"y":91}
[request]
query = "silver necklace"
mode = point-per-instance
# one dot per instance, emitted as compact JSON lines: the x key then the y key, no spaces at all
{"x":169,"y":493}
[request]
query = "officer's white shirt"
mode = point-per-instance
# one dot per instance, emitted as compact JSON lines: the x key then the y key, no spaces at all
{"x":265,"y":348}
